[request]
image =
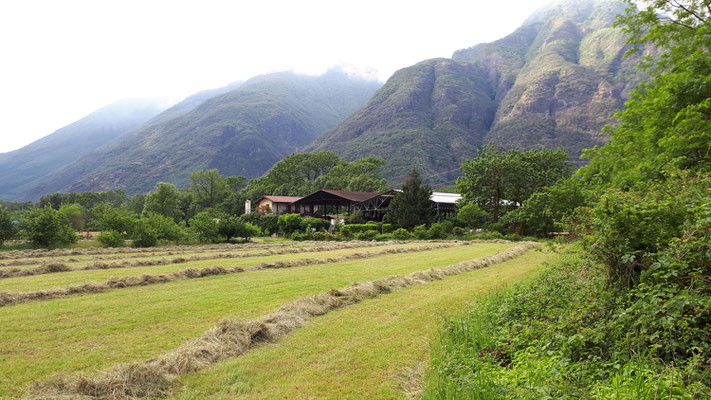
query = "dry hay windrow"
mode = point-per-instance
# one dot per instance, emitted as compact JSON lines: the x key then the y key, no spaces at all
{"x":114,"y":256}
{"x":54,"y":267}
{"x":154,"y":377}
{"x":38,"y":253}
{"x":192,"y":273}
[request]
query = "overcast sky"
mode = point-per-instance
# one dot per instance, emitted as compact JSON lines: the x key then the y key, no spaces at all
{"x":61,"y":60}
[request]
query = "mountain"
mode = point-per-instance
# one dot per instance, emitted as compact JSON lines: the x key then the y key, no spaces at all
{"x":70,"y":143}
{"x":242,"y":132}
{"x":554,"y":82}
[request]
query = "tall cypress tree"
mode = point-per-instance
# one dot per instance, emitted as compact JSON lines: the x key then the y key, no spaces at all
{"x":412,"y":206}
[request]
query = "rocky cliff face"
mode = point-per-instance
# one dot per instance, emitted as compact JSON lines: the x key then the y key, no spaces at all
{"x":554,"y":82}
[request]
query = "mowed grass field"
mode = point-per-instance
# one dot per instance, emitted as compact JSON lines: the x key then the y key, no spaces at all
{"x":90,"y":332}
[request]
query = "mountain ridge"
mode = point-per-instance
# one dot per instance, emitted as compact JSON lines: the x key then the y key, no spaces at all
{"x":554,"y":82}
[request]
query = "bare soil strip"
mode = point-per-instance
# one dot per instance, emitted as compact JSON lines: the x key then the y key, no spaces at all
{"x":230,"y":338}
{"x":192,"y":273}
{"x":61,"y":267}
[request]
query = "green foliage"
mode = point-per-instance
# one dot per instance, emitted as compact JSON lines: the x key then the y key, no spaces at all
{"x":500,"y":181}
{"x":544,"y":211}
{"x":471,"y":215}
{"x":386,"y":228}
{"x":163,"y":200}
{"x":509,"y":346}
{"x":366,"y":235}
{"x":440,"y":230}
{"x":319,"y":236}
{"x":458,"y":231}
{"x":268,"y":224}
{"x":352,"y":229}
{"x":205,"y":225}
{"x":48,"y":227}
{"x":356,"y":217}
{"x":628,"y":229}
{"x":209,"y":188}
{"x":111,"y":239}
{"x":319,"y":224}
{"x":230,"y":227}
{"x":384,"y":237}
{"x":666,"y":122}
{"x":420,"y":232}
{"x":7,"y":228}
{"x":153,"y":227}
{"x":87,"y":200}
{"x":76,"y":214}
{"x":120,"y":219}
{"x":402,"y":234}
{"x":289,"y":223}
{"x":412,"y":206}
{"x":144,"y":235}
{"x":303,"y":173}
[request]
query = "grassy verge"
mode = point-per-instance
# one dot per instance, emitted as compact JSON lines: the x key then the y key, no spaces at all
{"x":367,"y":350}
{"x":96,"y":331}
{"x":554,"y":337}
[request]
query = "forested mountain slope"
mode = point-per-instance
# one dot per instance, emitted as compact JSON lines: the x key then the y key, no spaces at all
{"x":68,"y":144}
{"x":242,"y":132}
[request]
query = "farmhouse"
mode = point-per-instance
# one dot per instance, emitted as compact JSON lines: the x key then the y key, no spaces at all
{"x":375,"y":207}
{"x":327,"y":201}
{"x":278,"y":205}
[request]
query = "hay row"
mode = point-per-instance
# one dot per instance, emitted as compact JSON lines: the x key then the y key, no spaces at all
{"x":192,"y":273}
{"x":114,"y":256}
{"x":34,"y":253}
{"x":154,"y":377}
{"x":61,"y":267}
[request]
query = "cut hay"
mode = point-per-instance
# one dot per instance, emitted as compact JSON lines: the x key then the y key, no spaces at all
{"x":48,"y":268}
{"x":230,"y":338}
{"x":193,"y":273}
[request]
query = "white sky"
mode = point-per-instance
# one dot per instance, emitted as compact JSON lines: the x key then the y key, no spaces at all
{"x":62,"y":60}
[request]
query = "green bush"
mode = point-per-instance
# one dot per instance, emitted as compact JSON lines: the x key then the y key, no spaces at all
{"x":628,"y":228}
{"x":386,"y":228}
{"x":318,"y":224}
{"x":48,"y":227}
{"x":440,"y":230}
{"x":154,"y":227}
{"x":367,"y":235}
{"x":356,"y":217}
{"x":471,"y":215}
{"x":7,"y":228}
{"x":299,"y":236}
{"x":144,"y":235}
{"x":352,"y":229}
{"x":111,"y":239}
{"x":402,"y":234}
{"x":319,"y":235}
{"x":458,"y":231}
{"x":206,"y":227}
{"x":268,"y":224}
{"x":289,"y":223}
{"x":421,"y":232}
{"x":485,"y":236}
{"x":384,"y":237}
{"x":230,"y":227}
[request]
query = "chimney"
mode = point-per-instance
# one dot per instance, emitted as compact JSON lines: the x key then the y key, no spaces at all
{"x":248,"y":206}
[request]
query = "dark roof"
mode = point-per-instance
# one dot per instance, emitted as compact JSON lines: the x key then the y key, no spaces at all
{"x":327,"y":196}
{"x":280,"y":199}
